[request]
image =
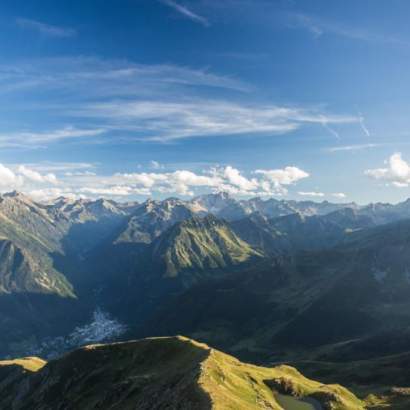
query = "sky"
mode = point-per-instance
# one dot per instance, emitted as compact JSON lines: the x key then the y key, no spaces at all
{"x":130,"y":99}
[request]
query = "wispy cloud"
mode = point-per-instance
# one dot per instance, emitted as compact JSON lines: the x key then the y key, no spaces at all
{"x":363,"y":125}
{"x":318,"y":194}
{"x":325,"y":124}
{"x":166,"y":121}
{"x":319,"y":27}
{"x":186,"y":12}
{"x":45,"y":29}
{"x":59,"y":167}
{"x":311,"y":194}
{"x":131,"y":102}
{"x":37,"y":139}
{"x":156,"y":165}
{"x":106,"y":78}
{"x":357,"y":147}
{"x":300,"y":20}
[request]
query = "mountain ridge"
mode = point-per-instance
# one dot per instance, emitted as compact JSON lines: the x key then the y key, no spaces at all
{"x":175,"y":372}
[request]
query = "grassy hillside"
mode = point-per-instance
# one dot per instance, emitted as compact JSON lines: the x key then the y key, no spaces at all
{"x":172,"y":373}
{"x":201,"y":244}
{"x":22,"y":271}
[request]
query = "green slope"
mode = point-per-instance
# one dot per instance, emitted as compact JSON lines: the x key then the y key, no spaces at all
{"x":22,"y":271}
{"x":201,"y":244}
{"x":159,"y":373}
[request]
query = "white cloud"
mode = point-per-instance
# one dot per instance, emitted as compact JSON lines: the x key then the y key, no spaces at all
{"x":50,"y":166}
{"x":111,"y":191}
{"x":275,"y":180}
{"x":317,"y":194}
{"x":228,"y":179}
{"x":35,"y":176}
{"x":83,"y":183}
{"x":47,"y":194}
{"x":396,"y":172}
{"x":80,"y":174}
{"x":312,"y":194}
{"x":186,"y":12}
{"x":234,"y":177}
{"x":147,"y":180}
{"x":46,"y":29}
{"x":339,"y":195}
{"x":8,"y":179}
{"x":178,"y":182}
{"x":23,"y":178}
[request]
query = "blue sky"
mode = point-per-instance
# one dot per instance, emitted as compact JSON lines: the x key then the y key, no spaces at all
{"x":137,"y":98}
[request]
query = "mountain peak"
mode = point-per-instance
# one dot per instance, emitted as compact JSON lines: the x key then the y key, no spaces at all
{"x":222,"y":195}
{"x":200,"y":222}
{"x":18,"y":195}
{"x":219,"y":195}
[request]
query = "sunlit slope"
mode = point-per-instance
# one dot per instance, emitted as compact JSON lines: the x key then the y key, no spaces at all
{"x":158,"y":373}
{"x":199,"y":244}
{"x":23,"y":271}
{"x":31,"y":364}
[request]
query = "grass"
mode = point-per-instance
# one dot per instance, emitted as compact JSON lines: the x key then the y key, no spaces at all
{"x":373,"y":380}
{"x":168,"y":372}
{"x":204,"y":244}
{"x":232,"y":384}
{"x":31,"y":364}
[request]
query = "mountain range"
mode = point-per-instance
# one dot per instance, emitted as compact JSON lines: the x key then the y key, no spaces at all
{"x":320,"y":285}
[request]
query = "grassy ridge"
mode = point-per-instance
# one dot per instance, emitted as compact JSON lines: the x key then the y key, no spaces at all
{"x":169,"y":372}
{"x":31,"y":364}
